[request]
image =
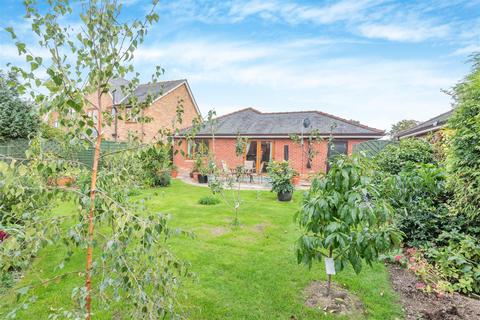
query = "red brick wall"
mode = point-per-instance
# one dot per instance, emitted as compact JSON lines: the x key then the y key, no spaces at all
{"x":225,"y":150}
{"x":162,"y":112}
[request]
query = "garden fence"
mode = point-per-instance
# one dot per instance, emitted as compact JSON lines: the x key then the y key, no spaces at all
{"x":17,"y":149}
{"x":371,"y":148}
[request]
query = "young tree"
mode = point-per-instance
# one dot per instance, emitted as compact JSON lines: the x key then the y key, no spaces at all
{"x":18,"y":118}
{"x":402,"y":125}
{"x":229,"y":190}
{"x":134,"y":264}
{"x":309,"y":153}
{"x":343,"y":219}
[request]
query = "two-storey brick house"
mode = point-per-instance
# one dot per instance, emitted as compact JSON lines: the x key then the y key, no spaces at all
{"x":167,"y":97}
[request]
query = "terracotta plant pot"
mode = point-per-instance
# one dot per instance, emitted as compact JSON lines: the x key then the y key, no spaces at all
{"x":174,"y":174}
{"x":60,"y":182}
{"x":65,"y":181}
{"x":296,"y":180}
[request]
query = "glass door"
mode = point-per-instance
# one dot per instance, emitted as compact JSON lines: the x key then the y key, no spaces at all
{"x":251,"y":152}
{"x":266,"y":151}
{"x":335,"y":148}
{"x":259,"y":152}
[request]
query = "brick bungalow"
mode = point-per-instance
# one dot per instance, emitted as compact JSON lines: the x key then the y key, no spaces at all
{"x":162,"y":111}
{"x":269,"y":138}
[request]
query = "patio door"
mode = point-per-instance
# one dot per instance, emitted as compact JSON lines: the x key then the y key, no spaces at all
{"x":336,"y":148}
{"x":266,"y":151}
{"x":259,"y":151}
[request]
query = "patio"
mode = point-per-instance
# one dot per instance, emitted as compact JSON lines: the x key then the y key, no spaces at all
{"x":257,"y":183}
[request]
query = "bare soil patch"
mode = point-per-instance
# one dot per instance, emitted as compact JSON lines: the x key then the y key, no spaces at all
{"x":340,"y":300}
{"x":218,"y":231}
{"x":260,"y":227}
{"x":419,"y":305}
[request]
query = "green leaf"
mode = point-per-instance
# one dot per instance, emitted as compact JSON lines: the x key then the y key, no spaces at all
{"x":11,"y":32}
{"x":21,"y":47}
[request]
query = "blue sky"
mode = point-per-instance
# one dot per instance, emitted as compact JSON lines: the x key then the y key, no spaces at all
{"x":373,"y":61}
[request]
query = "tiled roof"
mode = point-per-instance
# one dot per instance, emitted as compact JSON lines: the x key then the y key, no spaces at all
{"x":251,"y":122}
{"x":143,"y":90}
{"x":427,"y":126}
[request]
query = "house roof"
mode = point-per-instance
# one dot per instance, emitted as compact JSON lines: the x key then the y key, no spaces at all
{"x":431,"y":125}
{"x":251,"y":122}
{"x":142,"y":91}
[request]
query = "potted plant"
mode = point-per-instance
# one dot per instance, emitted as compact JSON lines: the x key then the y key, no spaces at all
{"x":203,"y":174}
{"x":197,"y":165}
{"x":174,"y":171}
{"x":211,"y":169}
{"x":281,"y":175}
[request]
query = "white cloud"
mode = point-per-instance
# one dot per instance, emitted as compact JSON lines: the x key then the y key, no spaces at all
{"x":469,"y":49}
{"x":407,"y":32}
{"x":300,"y":75}
{"x":9,"y":53}
{"x":341,"y":11}
{"x":209,"y":54}
{"x":375,"y":19}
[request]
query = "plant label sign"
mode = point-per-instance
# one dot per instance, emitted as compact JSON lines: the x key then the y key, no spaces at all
{"x":329,"y":266}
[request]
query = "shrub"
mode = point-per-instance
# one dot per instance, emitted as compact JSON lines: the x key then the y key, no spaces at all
{"x":208,"y":200}
{"x":50,"y":133}
{"x":7,"y":281}
{"x":25,"y":203}
{"x":281,"y":175}
{"x":419,"y":199}
{"x":18,"y":119}
{"x":404,"y":155}
{"x":464,"y":153}
{"x":162,"y":178}
{"x":459,"y":260}
{"x":156,"y":161}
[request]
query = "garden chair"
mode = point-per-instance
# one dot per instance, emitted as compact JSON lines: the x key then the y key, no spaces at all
{"x":249,"y":169}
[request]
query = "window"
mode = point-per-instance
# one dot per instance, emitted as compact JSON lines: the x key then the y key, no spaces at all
{"x":285,"y":152}
{"x":336,"y":148}
{"x":197,"y":146}
{"x":55,"y":124}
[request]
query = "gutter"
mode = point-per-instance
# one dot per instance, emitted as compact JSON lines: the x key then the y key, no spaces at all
{"x":283,"y":136}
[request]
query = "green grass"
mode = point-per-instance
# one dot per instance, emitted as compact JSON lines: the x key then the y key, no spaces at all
{"x":245,"y":273}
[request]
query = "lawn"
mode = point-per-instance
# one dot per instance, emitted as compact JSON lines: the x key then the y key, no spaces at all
{"x":245,"y":273}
